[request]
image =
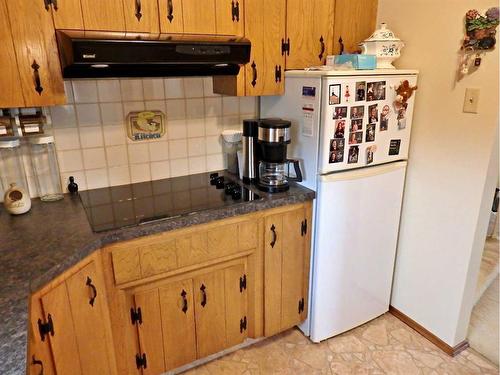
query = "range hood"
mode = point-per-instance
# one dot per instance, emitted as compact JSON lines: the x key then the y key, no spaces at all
{"x":86,"y":54}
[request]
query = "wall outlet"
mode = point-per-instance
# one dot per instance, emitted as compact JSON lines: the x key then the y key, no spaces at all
{"x":471,"y":100}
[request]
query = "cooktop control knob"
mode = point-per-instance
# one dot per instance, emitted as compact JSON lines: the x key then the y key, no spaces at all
{"x":213,"y":178}
{"x":236,"y":194}
{"x":219,"y":182}
{"x":229,"y":188}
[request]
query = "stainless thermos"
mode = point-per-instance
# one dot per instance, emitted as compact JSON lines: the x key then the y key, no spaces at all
{"x":250,"y":150}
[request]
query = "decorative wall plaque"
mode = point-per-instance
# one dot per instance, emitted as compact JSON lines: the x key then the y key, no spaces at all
{"x":145,"y":125}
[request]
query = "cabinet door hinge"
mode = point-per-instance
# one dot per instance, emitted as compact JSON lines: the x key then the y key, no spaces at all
{"x":277,"y":73}
{"x":243,"y":324}
{"x":136,"y":315}
{"x":243,"y":283}
{"x":301,"y":305}
{"x":235,"y":11}
{"x":303,"y":228}
{"x":46,"y":328}
{"x":141,"y":361}
{"x":285,"y":47}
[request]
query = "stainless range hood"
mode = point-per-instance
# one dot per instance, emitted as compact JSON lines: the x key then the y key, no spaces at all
{"x":109,"y":54}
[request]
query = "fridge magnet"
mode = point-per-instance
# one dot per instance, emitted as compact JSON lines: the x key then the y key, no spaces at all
{"x":334,"y":94}
{"x":360,"y":91}
{"x":353,"y":155}
{"x":145,"y":125}
{"x":356,"y":125}
{"x":355,"y":138}
{"x":336,"y":157}
{"x":347,"y":94}
{"x":337,"y":144}
{"x":339,"y":112}
{"x":370,"y":153}
{"x":357,"y":112}
{"x":373,"y":114}
{"x":308,"y":92}
{"x":340,"y":129}
{"x":394,"y":146}
{"x":402,"y":118}
{"x":370,"y":133}
{"x":375,"y":91}
{"x":403,"y":93}
{"x":384,"y":118}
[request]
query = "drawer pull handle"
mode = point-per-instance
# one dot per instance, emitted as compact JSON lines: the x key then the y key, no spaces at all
{"x":170,"y":10}
{"x":235,"y":11}
{"x":36,"y":74}
{"x":184,"y":301}
{"x":275,"y":236}
{"x":203,"y":295}
{"x":37,"y":362}
{"x":93,"y":289}
{"x":138,"y":13}
{"x":341,"y":44}
{"x":322,"y":41}
{"x":46,"y":328}
{"x":254,"y":73}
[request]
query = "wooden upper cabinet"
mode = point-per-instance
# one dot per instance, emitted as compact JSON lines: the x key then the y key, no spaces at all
{"x":230,"y":17}
{"x":11,"y":94}
{"x":36,"y":52}
{"x":68,"y":14}
{"x":355,"y":20}
{"x":171,"y":19}
{"x":309,"y":32}
{"x":141,"y":16}
{"x":199,"y":16}
{"x":103,"y":15}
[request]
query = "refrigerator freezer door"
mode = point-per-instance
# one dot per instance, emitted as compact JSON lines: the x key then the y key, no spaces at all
{"x":357,"y":222}
{"x":361,"y":125}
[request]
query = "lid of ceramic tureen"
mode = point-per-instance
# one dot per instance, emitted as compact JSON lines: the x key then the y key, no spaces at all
{"x":382,"y":34}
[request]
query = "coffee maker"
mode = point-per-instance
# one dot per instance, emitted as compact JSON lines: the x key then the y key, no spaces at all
{"x":273,"y":166}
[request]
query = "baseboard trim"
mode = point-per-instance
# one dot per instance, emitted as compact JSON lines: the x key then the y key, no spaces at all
{"x":450,"y":350}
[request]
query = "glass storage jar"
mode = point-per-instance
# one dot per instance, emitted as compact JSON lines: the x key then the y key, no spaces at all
{"x":46,"y":168}
{"x":11,"y":165}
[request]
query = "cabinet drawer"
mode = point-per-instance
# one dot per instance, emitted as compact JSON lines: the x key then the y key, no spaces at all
{"x":165,"y":252}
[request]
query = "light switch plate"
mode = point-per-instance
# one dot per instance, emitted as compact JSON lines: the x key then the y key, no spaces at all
{"x":471,"y":100}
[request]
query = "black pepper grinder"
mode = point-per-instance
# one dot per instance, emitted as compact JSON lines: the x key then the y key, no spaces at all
{"x":72,"y":186}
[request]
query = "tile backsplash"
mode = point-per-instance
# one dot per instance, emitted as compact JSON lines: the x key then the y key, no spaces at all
{"x":90,"y":132}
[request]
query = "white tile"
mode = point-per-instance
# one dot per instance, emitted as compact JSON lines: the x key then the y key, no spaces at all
{"x":112,"y":114}
{"x":153,"y":89}
{"x":131,"y":89}
{"x":174,"y":88}
{"x":67,"y":139}
{"x":160,"y":169}
{"x":213,"y":126}
{"x":179,"y":167}
{"x":117,"y":156}
{"x":140,"y":173}
{"x":213,"y":107}
{"x":230,"y":106}
{"x":119,"y":175}
{"x":109,"y":90}
{"x":232,"y":122}
{"x":215,"y":162}
{"x":91,"y":136}
{"x":195,"y":108}
{"x":193,"y":87}
{"x":197,"y":164}
{"x":176,"y":109}
{"x":68,"y":90}
{"x":63,"y":116}
{"x":88,"y":114}
{"x":196,"y":146}
{"x":85,"y":91}
{"x":213,"y":144}
{"x":178,"y":149}
{"x":79,"y":177}
{"x":176,"y":129}
{"x":158,"y":151}
{"x":132,"y":107}
{"x":248,"y":105}
{"x":94,"y":158}
{"x":97,"y":178}
{"x":195,"y":128}
{"x":70,"y":160}
{"x":156,"y":105}
{"x":114,"y":135}
{"x":138,"y":153}
{"x":208,"y":87}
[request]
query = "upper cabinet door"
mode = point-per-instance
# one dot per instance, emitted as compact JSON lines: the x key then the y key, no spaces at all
{"x":309,"y":32}
{"x":141,"y":16}
{"x":230,"y":16}
{"x":36,"y":51}
{"x":11,"y":94}
{"x":199,"y":16}
{"x":171,"y":16}
{"x":103,"y":15}
{"x":67,"y":14}
{"x":354,"y":21}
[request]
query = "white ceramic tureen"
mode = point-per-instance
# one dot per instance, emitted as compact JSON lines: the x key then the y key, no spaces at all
{"x":383,"y":44}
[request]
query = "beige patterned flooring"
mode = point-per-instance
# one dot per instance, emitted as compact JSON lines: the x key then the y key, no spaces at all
{"x":489,"y":266}
{"x":382,"y":346}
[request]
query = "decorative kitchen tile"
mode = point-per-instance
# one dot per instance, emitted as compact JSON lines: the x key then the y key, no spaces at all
{"x":85,"y":91}
{"x":94,"y":158}
{"x":195,"y":108}
{"x":156,"y":105}
{"x":193,"y":87}
{"x":97,"y":178}
{"x":117,"y":156}
{"x":109,"y":90}
{"x":88,"y":114}
{"x":158,"y":151}
{"x":196,"y":146}
{"x":138,"y":153}
{"x":195,"y":127}
{"x":67,"y":139}
{"x":63,"y":116}
{"x":132,"y":107}
{"x":174,"y":88}
{"x":112,"y":114}
{"x":91,"y":137}
{"x":132,"y":90}
{"x":153,"y":89}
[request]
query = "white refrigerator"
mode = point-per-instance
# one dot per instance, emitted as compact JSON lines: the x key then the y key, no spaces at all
{"x":352,"y":138}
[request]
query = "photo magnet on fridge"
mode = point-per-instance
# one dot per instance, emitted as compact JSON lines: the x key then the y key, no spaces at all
{"x":339,"y":112}
{"x":339,"y":129}
{"x":353,"y":155}
{"x":356,"y":125}
{"x":357,"y":112}
{"x":336,"y":157}
{"x":355,"y":138}
{"x":309,"y":92}
{"x":347,"y":94}
{"x":384,"y":118}
{"x":334,"y":94}
{"x":360,"y":91}
{"x":370,"y":133}
{"x":394,"y":146}
{"x":370,"y":153}
{"x":337,"y":144}
{"x":402,"y":117}
{"x":375,"y":91}
{"x":373,"y":113}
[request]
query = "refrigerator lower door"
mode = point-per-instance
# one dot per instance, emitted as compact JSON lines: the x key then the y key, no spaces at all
{"x":357,"y":223}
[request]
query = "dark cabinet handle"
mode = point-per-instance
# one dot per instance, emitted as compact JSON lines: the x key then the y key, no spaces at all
{"x":322,"y":41}
{"x":203,"y":295}
{"x":235,"y":11}
{"x":184,"y":301}
{"x":36,"y":362}
{"x":341,"y":43}
{"x":46,"y":328}
{"x":94,"y":291}
{"x":275,"y":236}
{"x":254,"y":73}
{"x":170,"y":10}
{"x":138,"y":7}
{"x":54,"y":4}
{"x":36,"y":74}
{"x":47,"y":4}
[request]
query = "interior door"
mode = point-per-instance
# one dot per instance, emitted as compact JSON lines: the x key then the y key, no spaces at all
{"x":103,"y":15}
{"x":199,"y":17}
{"x":141,"y":16}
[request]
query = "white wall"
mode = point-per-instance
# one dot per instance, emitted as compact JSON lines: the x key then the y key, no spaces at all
{"x":444,"y":214}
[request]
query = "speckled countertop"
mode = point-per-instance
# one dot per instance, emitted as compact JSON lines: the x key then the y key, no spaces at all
{"x":52,"y":237}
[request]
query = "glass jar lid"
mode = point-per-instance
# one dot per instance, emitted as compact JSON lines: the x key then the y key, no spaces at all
{"x":382,"y":34}
{"x":10,"y":144}
{"x":42,"y":140}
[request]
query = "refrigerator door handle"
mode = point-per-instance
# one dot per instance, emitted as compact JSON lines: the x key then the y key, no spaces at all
{"x":363,"y":172}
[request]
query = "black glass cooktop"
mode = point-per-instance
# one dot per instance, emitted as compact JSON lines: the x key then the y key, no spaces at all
{"x":145,"y":202}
